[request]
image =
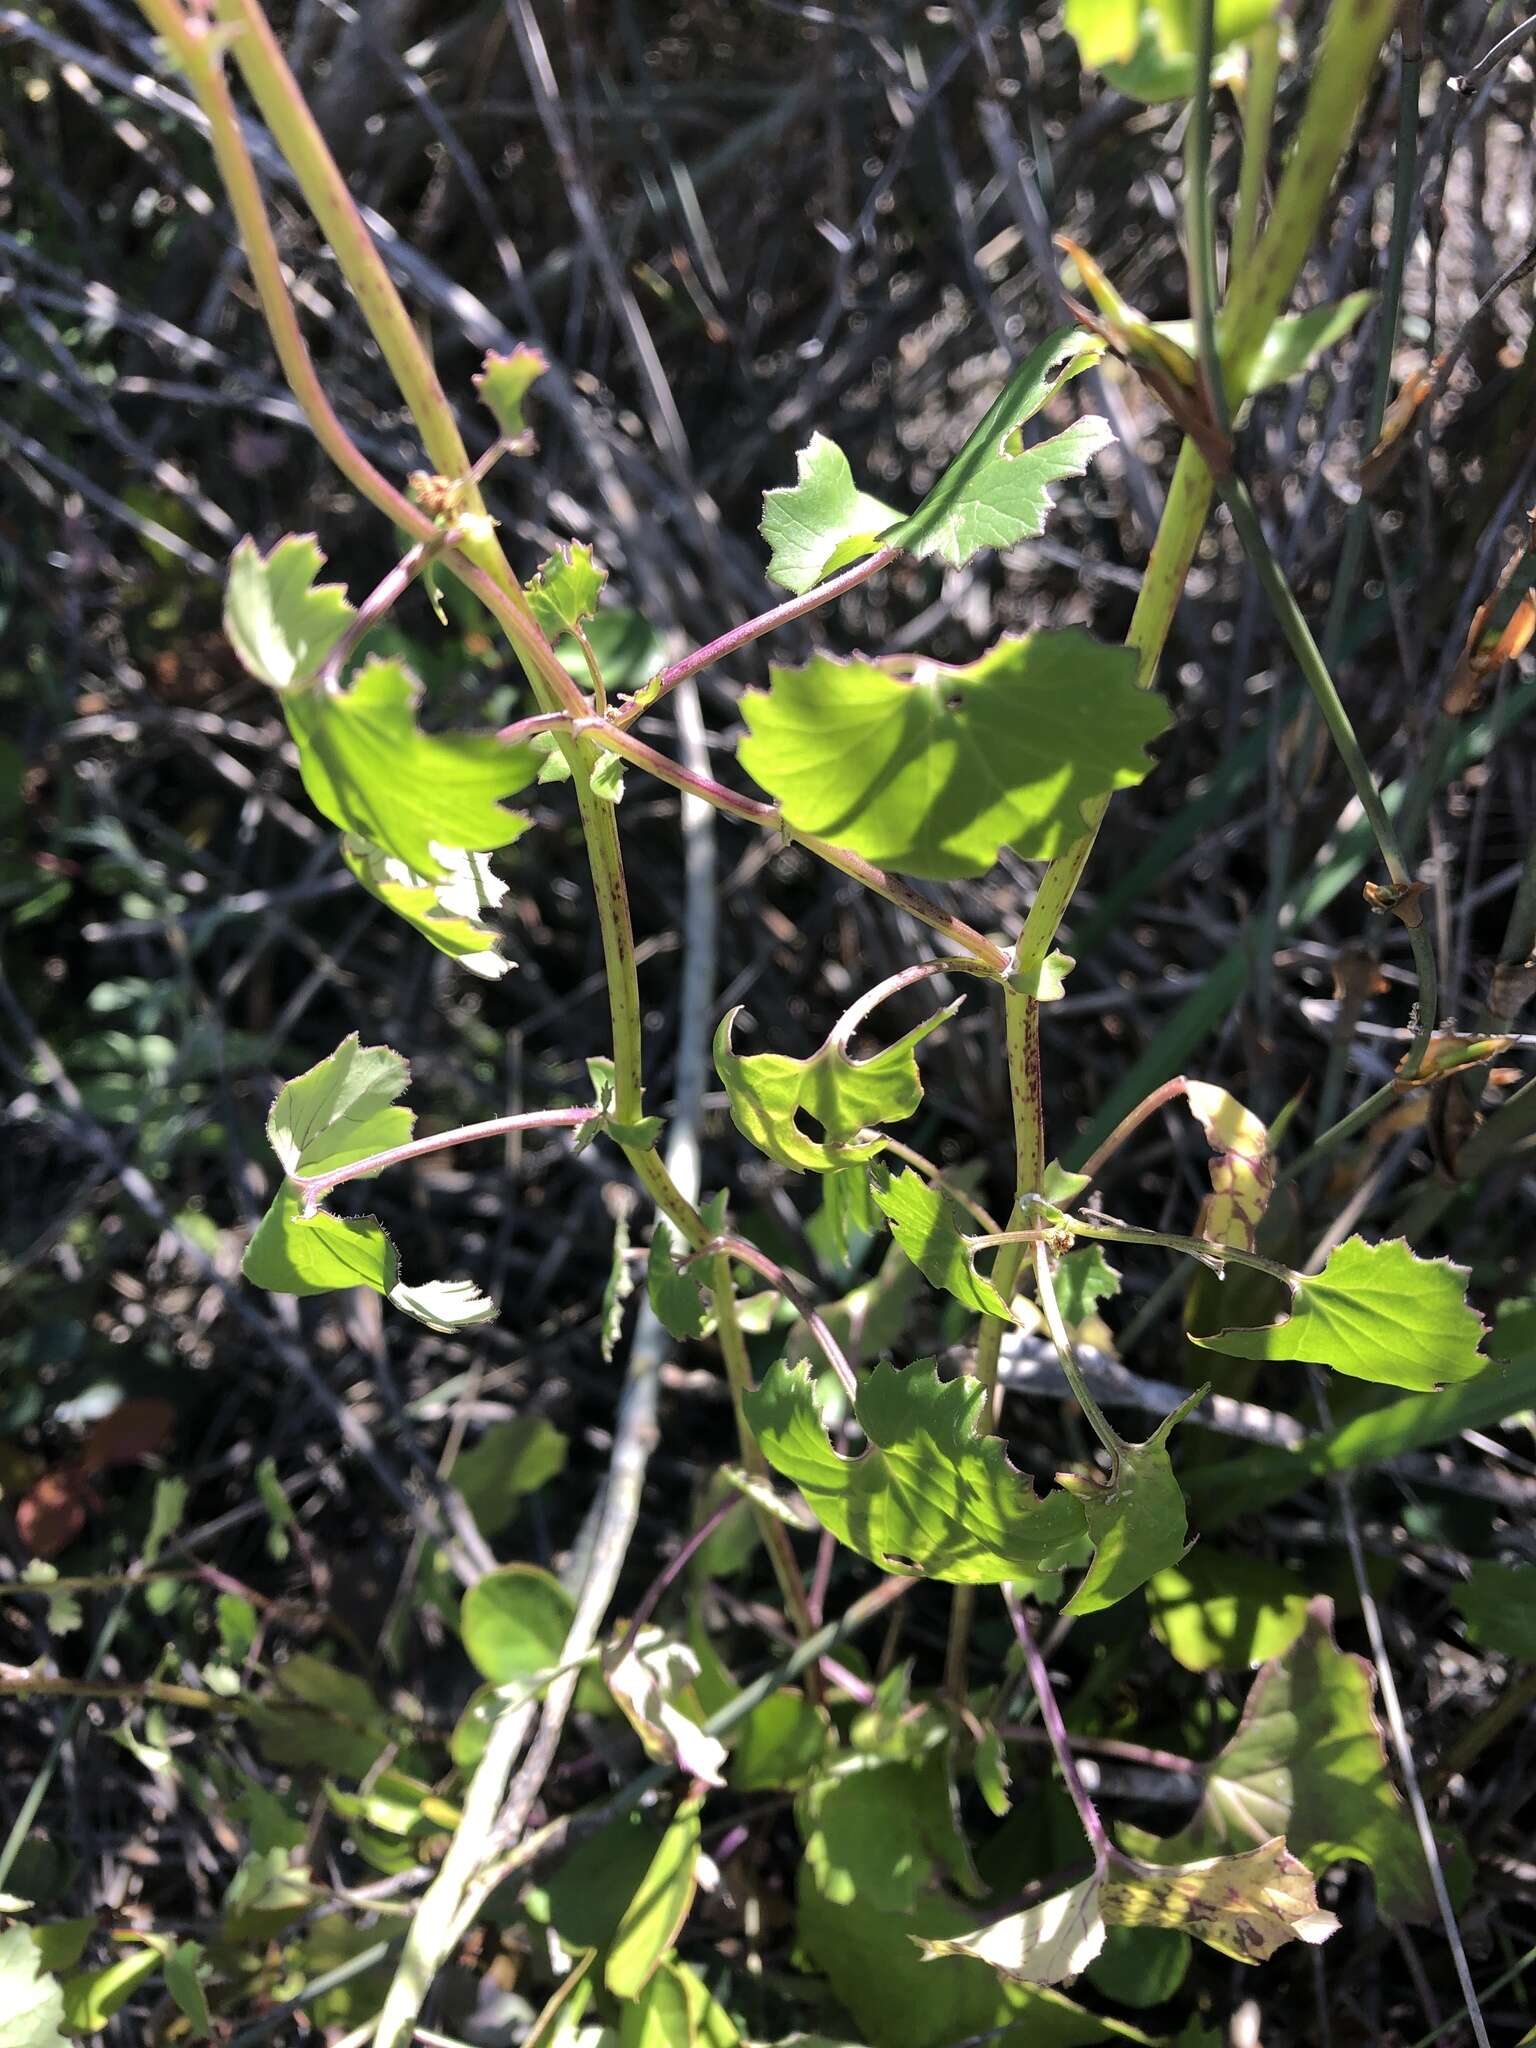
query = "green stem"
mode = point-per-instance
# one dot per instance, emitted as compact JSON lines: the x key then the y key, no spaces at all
{"x":1258,"y":124}
{"x":1200,"y":219}
{"x":1050,"y":1308}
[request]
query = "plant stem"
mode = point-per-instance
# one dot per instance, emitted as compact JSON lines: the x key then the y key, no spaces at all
{"x":1258,"y":124}
{"x":748,"y":1255}
{"x":1200,"y":219}
{"x":1056,"y":1728}
{"x":314,"y":1186}
{"x":727,"y":644}
{"x":1050,"y":1308}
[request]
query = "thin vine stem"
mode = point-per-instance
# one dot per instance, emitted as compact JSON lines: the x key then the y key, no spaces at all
{"x":314,"y":1186}
{"x":1056,"y":1728}
{"x":1050,"y":1308}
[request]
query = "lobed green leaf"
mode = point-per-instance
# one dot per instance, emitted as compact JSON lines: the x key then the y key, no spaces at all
{"x":923,"y":1223}
{"x":822,"y":521}
{"x":1137,"y":1523}
{"x":449,"y":913}
{"x":280,"y":622}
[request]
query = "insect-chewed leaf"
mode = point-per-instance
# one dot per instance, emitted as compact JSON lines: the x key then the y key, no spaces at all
{"x":1137,"y":1522}
{"x":566,"y":589}
{"x":931,"y":774}
{"x":1242,"y":1169}
{"x":504,"y":381}
{"x":280,"y":622}
{"x":996,"y":491}
{"x":368,"y":767}
{"x":449,"y":914}
{"x":1306,"y":1761}
{"x":769,"y":1090}
{"x":929,"y":1497}
{"x":341,"y":1112}
{"x":1375,"y":1312}
{"x":922,"y":1220}
{"x":822,"y":521}
{"x":342,"y":1109}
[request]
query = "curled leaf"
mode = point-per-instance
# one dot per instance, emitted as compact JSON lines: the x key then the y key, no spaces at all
{"x":449,"y":913}
{"x":653,"y":1681}
{"x":1242,"y":1167}
{"x":503,"y":382}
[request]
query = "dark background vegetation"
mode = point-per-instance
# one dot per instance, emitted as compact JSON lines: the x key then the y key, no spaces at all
{"x":728,"y":226}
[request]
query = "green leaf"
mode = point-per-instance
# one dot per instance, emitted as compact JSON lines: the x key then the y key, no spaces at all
{"x":449,"y":913}
{"x":995,"y":492}
{"x":504,"y":381}
{"x":923,"y":1223}
{"x":675,"y":1295}
{"x":659,"y":2016}
{"x":1223,"y":1611}
{"x":184,"y":1982}
{"x":1307,"y":1761}
{"x":627,"y":648}
{"x":280,"y":622}
{"x":510,"y":1461}
{"x":929,"y":1496}
{"x":1083,"y":1279}
{"x":822,"y":521}
{"x":1293,"y":343}
{"x":514,"y":1622}
{"x":1375,"y":1312}
{"x":932,"y":772}
{"x":368,"y":767}
{"x":1046,"y":982}
{"x":654,"y":1917}
{"x":315,"y":1713}
{"x":31,"y":2003}
{"x":566,"y":589}
{"x":768,"y":1092}
{"x":341,"y":1109}
{"x":883,"y":1832}
{"x":1498,"y":1605}
{"x":91,"y":1997}
{"x":292,"y":1253}
{"x":1141,"y":1966}
{"x":1137,"y":1522}
{"x":779,"y":1744}
{"x":1146,"y":47}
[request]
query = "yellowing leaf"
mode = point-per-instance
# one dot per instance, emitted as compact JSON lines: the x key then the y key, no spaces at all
{"x":1243,"y":1906}
{"x":653,"y":1681}
{"x":1045,"y":1944}
{"x":1242,"y":1168}
{"x":932,"y":773}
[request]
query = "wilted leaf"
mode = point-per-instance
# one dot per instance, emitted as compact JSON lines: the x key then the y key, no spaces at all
{"x":769,"y":1091}
{"x":1137,"y":1522}
{"x":653,"y":1681}
{"x":929,"y":1496}
{"x":1306,"y":1761}
{"x":280,"y":622}
{"x":1500,"y":630}
{"x":1045,"y":1944}
{"x":822,"y":521}
{"x":368,"y":766}
{"x":449,"y":913}
{"x":1376,"y":1312}
{"x":1242,"y":1167}
{"x":932,"y":772}
{"x":996,"y":491}
{"x":923,"y":1222}
{"x":1243,"y":1906}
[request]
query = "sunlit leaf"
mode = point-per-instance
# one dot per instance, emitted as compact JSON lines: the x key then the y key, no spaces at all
{"x":368,"y":766}
{"x":654,"y":1917}
{"x":996,"y":490}
{"x":1242,"y":1167}
{"x":1307,"y":1761}
{"x":1375,"y":1312}
{"x":932,"y":772}
{"x":1083,"y":1278}
{"x":1294,"y":341}
{"x":280,"y":622}
{"x":514,"y":1622}
{"x":31,"y":2002}
{"x":769,"y":1092}
{"x":1245,"y":1906}
{"x":504,"y":381}
{"x":444,"y":1305}
{"x":1136,"y":1522}
{"x":566,"y":589}
{"x":923,"y":1222}
{"x":341,"y":1109}
{"x":91,"y":1997}
{"x":929,"y":1496}
{"x":1225,"y":1611}
{"x":291,"y":1253}
{"x":822,"y":521}
{"x":1146,"y":47}
{"x":1044,"y":1944}
{"x":450,"y":914}
{"x":653,"y":1681}
{"x":882,"y":1831}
